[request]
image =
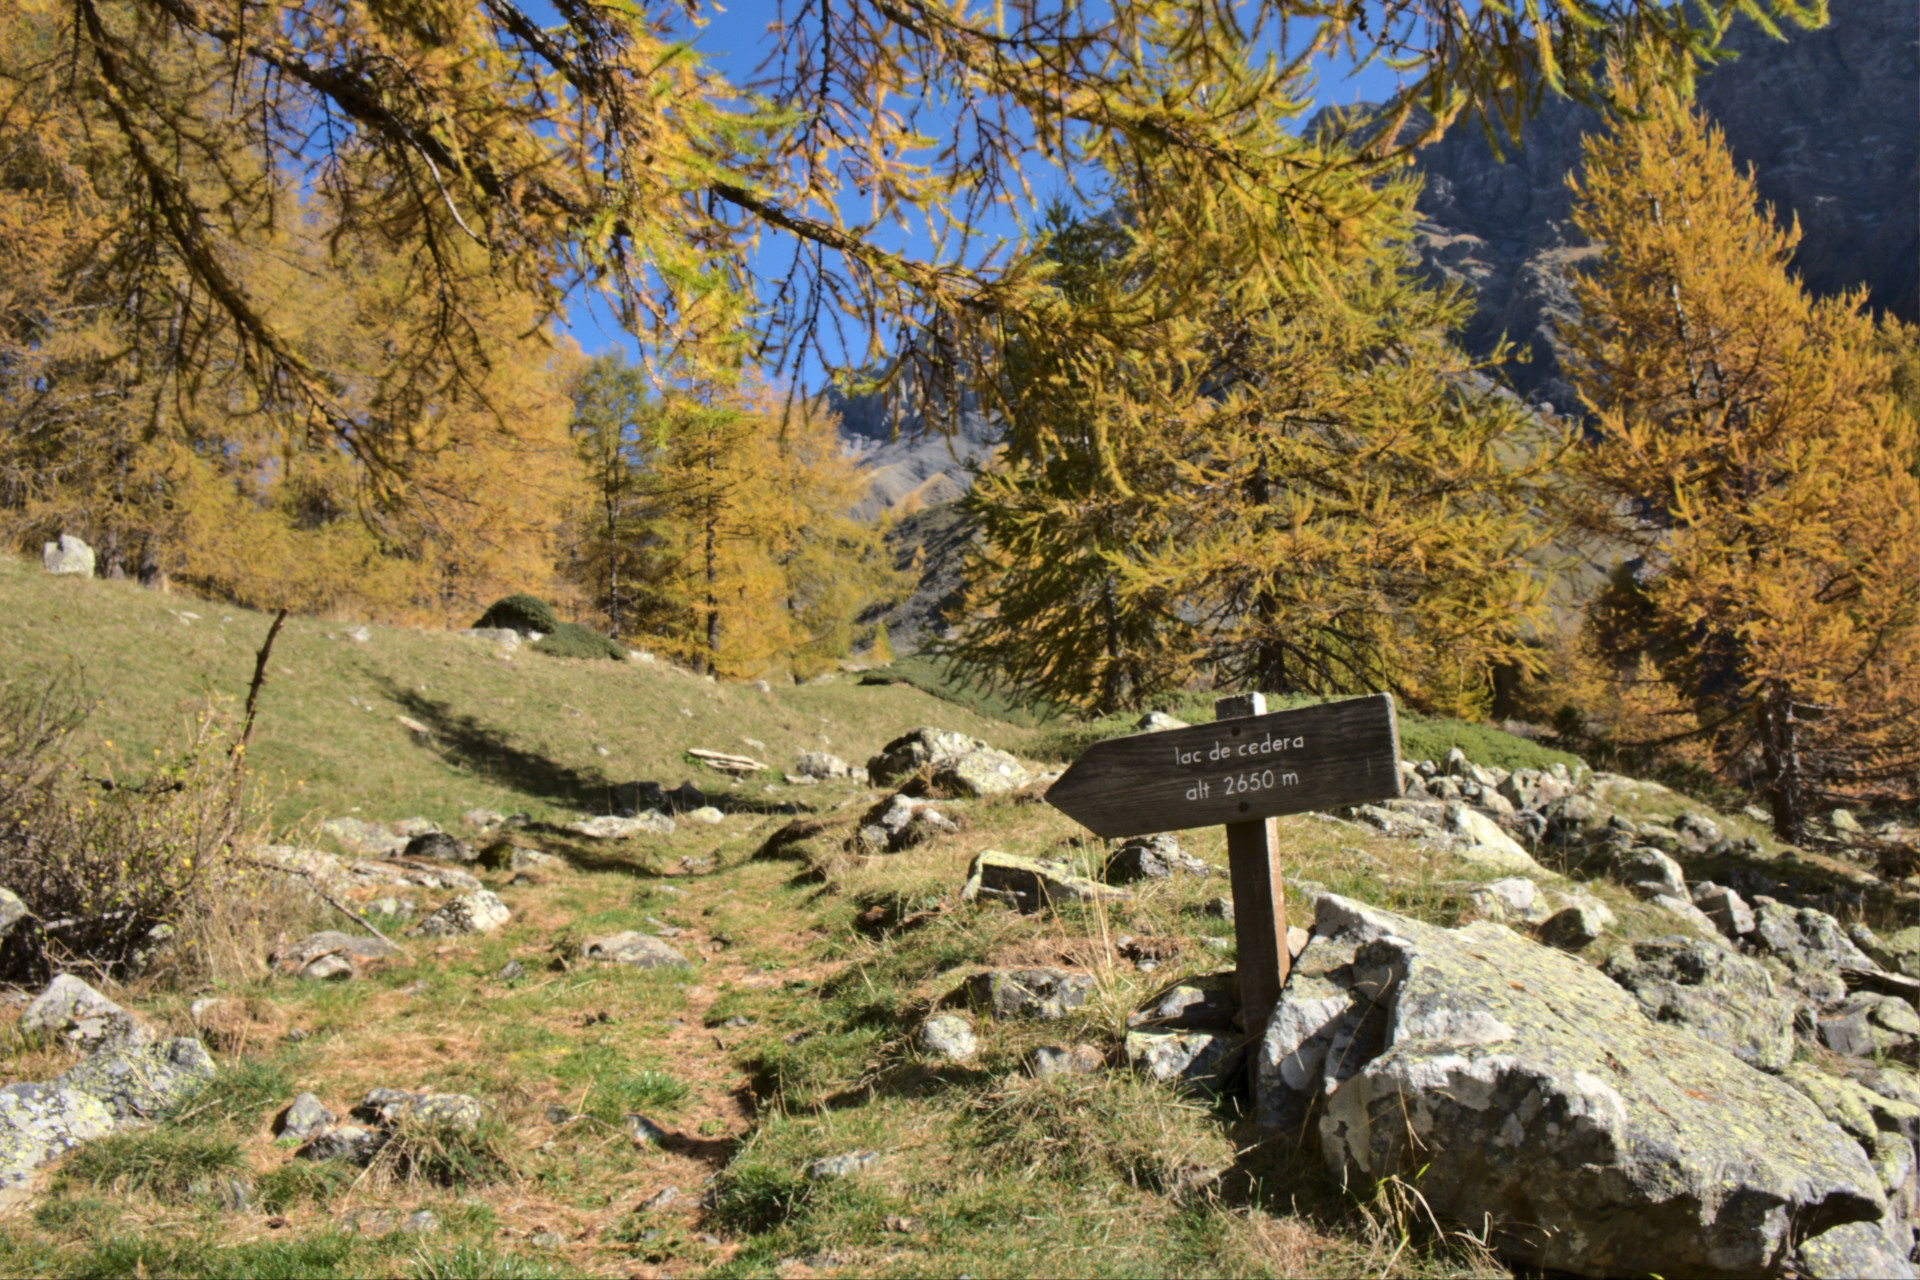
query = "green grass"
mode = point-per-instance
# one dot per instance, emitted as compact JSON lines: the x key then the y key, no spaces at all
{"x":165,"y":1162}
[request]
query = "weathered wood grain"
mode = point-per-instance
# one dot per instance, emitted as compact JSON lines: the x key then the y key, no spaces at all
{"x":1234,"y":771}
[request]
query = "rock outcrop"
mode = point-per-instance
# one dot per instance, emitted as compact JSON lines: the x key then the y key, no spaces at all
{"x":1521,"y":1088}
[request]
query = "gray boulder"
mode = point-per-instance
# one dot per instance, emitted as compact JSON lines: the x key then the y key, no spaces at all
{"x":367,"y":838}
{"x":1514,"y":898}
{"x":88,"y":1020}
{"x":41,"y":1121}
{"x":1518,"y":1088}
{"x":1030,"y":883}
{"x":954,"y":763}
{"x":1208,"y":1000}
{"x":900,"y":822}
{"x":1201,"y":1059}
{"x":1572,"y":928}
{"x":1650,"y":873}
{"x":353,"y":1143}
{"x":391,"y":1107}
{"x":1074,"y":1060}
{"x":1722,"y":997}
{"x":1728,"y":910}
{"x":1157,"y":857}
{"x":820,"y":764}
{"x":645,"y":823}
{"x":12,"y":911}
{"x":640,"y":950}
{"x":439,"y":846}
{"x":1026,"y":993}
{"x":305,"y":1118}
{"x":307,"y":957}
{"x":67,"y":556}
{"x":141,"y":1083}
{"x":476,"y":912}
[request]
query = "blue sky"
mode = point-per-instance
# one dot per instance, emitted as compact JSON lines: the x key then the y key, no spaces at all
{"x":734,"y":41}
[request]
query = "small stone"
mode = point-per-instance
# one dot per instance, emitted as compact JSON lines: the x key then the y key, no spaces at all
{"x":661,"y":1198}
{"x":305,"y":1118}
{"x":546,"y":1239}
{"x":1515,"y":898}
{"x":1027,"y":993}
{"x":1219,"y":909}
{"x":1076,"y":1060}
{"x":331,"y":968}
{"x":646,"y":822}
{"x":643,"y":1130}
{"x":1650,"y":873}
{"x":86,"y":1018}
{"x":67,"y":555}
{"x":511,"y":971}
{"x":706,"y":814}
{"x":420,"y":1223}
{"x":948,"y":1036}
{"x":372,"y":1223}
{"x":439,"y":847}
{"x":841,"y":1166}
{"x":630,"y":947}
{"x":482,"y":819}
{"x":477,"y":912}
{"x":355,"y":1144}
{"x":1571,"y":928}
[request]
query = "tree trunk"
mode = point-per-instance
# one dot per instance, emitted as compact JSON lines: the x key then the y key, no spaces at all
{"x":712,"y":568}
{"x":1785,"y":770}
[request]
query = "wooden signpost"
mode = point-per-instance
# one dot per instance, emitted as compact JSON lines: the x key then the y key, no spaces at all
{"x":1241,"y":771}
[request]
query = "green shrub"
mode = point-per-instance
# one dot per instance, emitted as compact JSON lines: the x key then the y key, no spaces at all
{"x":571,"y":640}
{"x":520,"y":613}
{"x":751,"y":1197}
{"x":103,"y":861}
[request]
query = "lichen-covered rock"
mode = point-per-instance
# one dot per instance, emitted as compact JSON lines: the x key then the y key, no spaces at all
{"x":1030,"y":883}
{"x":353,"y":1143}
{"x":1517,"y":1087}
{"x":390,"y":1107}
{"x":1481,"y":840}
{"x":1204,"y":1000}
{"x":305,"y":957}
{"x":12,"y":911}
{"x":68,"y":1007}
{"x":1514,"y":898}
{"x":647,"y":822}
{"x":1869,"y":1023}
{"x":440,"y":846}
{"x":1204,"y":1059}
{"x":398,"y":872}
{"x":640,"y":950}
{"x":305,"y":1118}
{"x":1026,"y":993}
{"x":822,"y":765}
{"x":1728,"y":910}
{"x":1901,"y":951}
{"x":948,"y":1036}
{"x":476,"y":912}
{"x":139,"y":1084}
{"x":1572,"y":928}
{"x":1074,"y":1060}
{"x":1650,"y":873}
{"x":1850,"y":1252}
{"x":40,"y":1121}
{"x":956,"y":763}
{"x":360,"y":836}
{"x":1714,"y":993}
{"x":900,"y":822}
{"x":67,"y":555}
{"x":1157,"y":857}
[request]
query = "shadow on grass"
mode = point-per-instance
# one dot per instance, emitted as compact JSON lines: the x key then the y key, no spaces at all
{"x":464,"y":741}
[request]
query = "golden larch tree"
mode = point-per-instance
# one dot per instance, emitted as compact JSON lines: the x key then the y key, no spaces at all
{"x":1748,"y":445}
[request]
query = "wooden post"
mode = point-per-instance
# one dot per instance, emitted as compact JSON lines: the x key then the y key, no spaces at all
{"x":1259,"y":903}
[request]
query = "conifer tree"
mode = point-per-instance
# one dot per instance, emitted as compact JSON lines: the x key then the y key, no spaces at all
{"x":1296,"y":488}
{"x":1750,"y":449}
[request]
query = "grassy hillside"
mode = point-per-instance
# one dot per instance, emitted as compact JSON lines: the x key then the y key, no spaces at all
{"x":788,"y":1036}
{"x":523,"y":733}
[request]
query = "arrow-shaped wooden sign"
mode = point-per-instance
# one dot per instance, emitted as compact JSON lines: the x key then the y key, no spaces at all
{"x":1235,"y":770}
{"x":1240,"y":772}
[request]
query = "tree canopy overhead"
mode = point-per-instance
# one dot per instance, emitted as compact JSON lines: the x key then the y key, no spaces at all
{"x":599,"y":149}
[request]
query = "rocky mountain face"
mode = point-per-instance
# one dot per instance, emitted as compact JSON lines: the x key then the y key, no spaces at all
{"x":1829,"y":120}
